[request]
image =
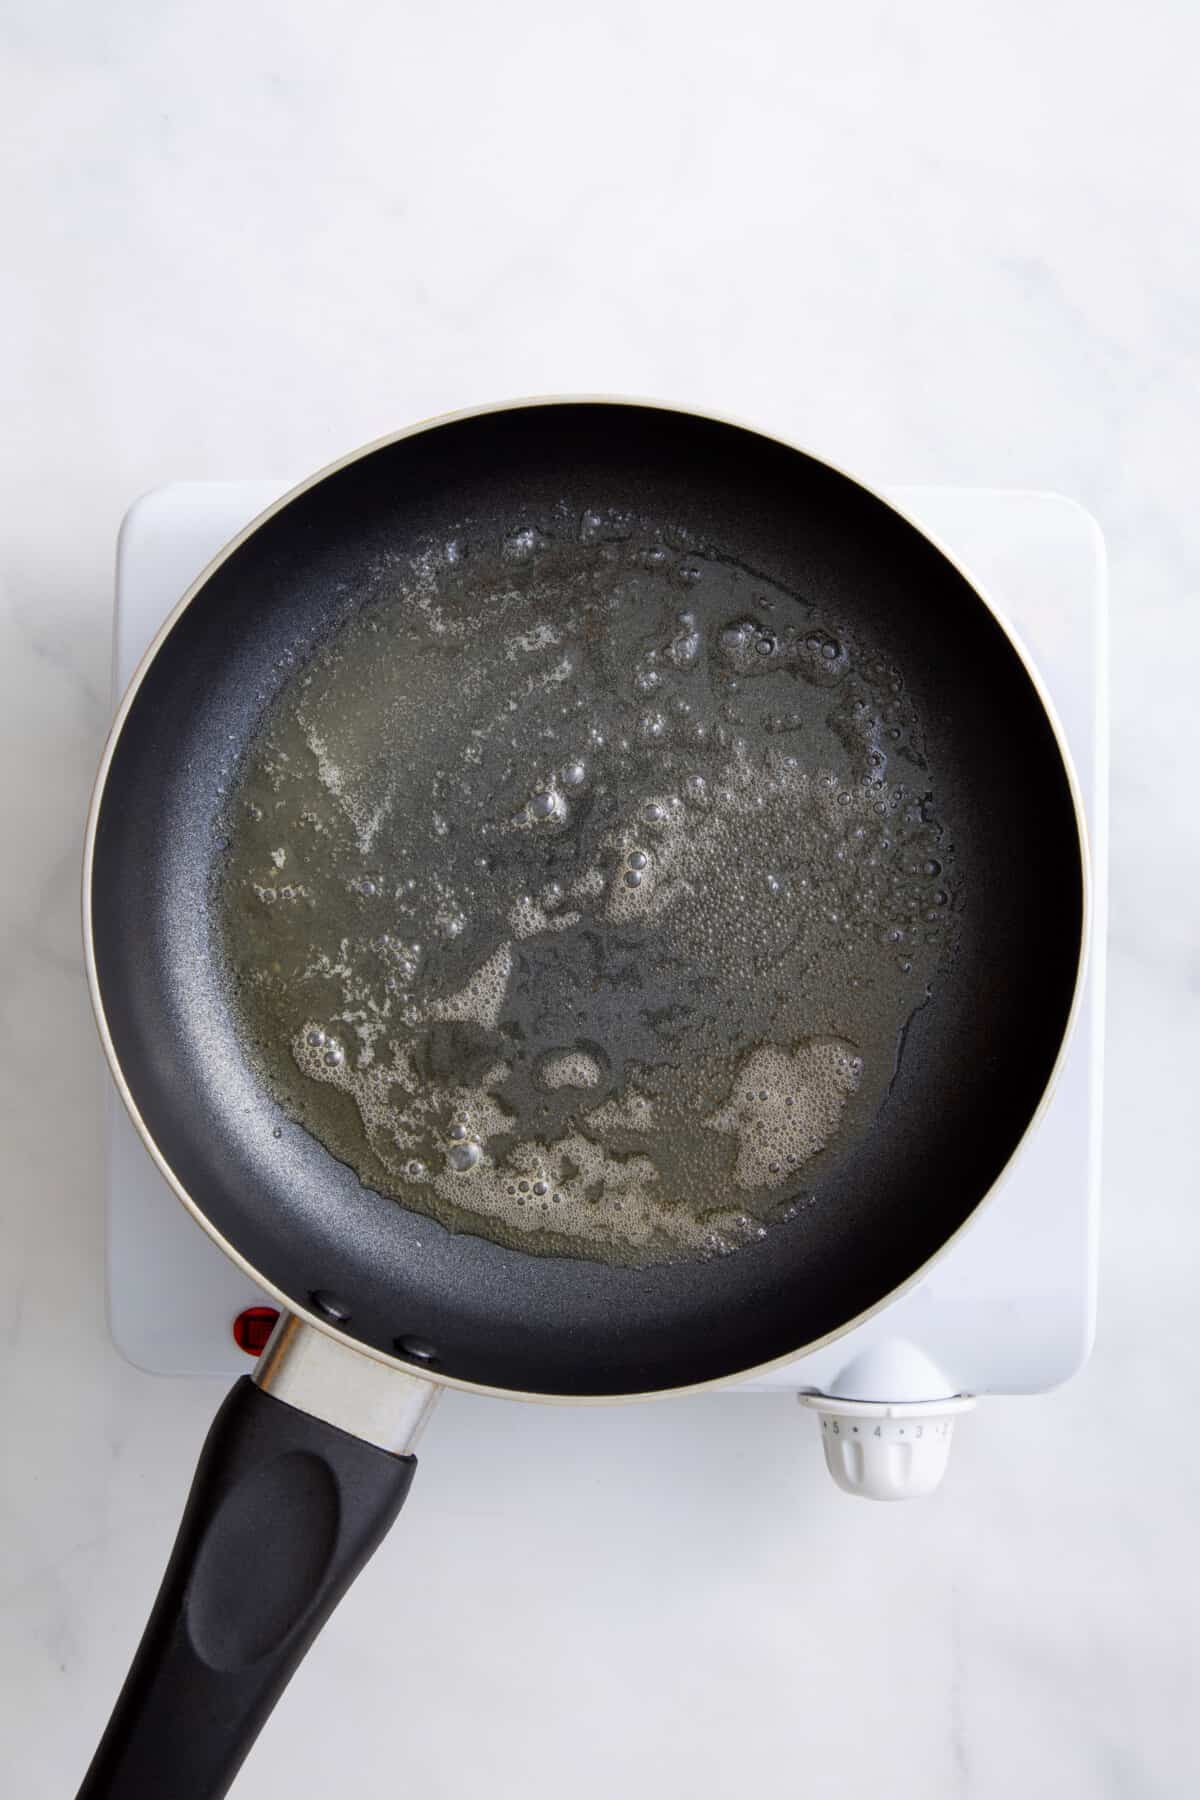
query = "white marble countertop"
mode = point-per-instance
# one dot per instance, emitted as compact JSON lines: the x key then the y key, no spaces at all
{"x":952,"y":243}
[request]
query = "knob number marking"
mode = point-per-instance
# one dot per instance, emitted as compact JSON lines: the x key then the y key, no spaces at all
{"x":937,"y":1428}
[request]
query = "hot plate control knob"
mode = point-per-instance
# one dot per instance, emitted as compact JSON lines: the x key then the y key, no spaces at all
{"x":886,"y":1450}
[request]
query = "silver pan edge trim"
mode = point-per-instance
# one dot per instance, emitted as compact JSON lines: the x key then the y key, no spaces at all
{"x":287,"y":1301}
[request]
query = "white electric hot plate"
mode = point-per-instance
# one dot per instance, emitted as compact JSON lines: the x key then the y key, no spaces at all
{"x":1008,"y":1309}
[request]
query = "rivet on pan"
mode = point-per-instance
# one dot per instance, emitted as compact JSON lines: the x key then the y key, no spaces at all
{"x":416,"y":1348}
{"x":329,"y":1306}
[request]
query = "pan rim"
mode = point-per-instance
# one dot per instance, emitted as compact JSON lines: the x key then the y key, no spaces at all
{"x":287,"y":1301}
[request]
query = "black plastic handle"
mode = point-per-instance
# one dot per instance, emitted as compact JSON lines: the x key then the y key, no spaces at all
{"x":283,"y":1513}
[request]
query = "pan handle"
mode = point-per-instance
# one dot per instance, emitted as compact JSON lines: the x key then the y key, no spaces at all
{"x":284,"y":1511}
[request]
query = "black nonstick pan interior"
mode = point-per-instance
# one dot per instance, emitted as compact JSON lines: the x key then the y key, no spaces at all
{"x":974,"y":1062}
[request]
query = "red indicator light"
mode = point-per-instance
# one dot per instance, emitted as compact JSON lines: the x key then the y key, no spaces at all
{"x":253,"y":1327}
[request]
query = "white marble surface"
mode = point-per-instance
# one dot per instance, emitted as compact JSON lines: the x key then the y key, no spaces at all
{"x":949,"y":243}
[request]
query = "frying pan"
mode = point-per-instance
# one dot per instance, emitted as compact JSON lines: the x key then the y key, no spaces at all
{"x":308,"y":1463}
